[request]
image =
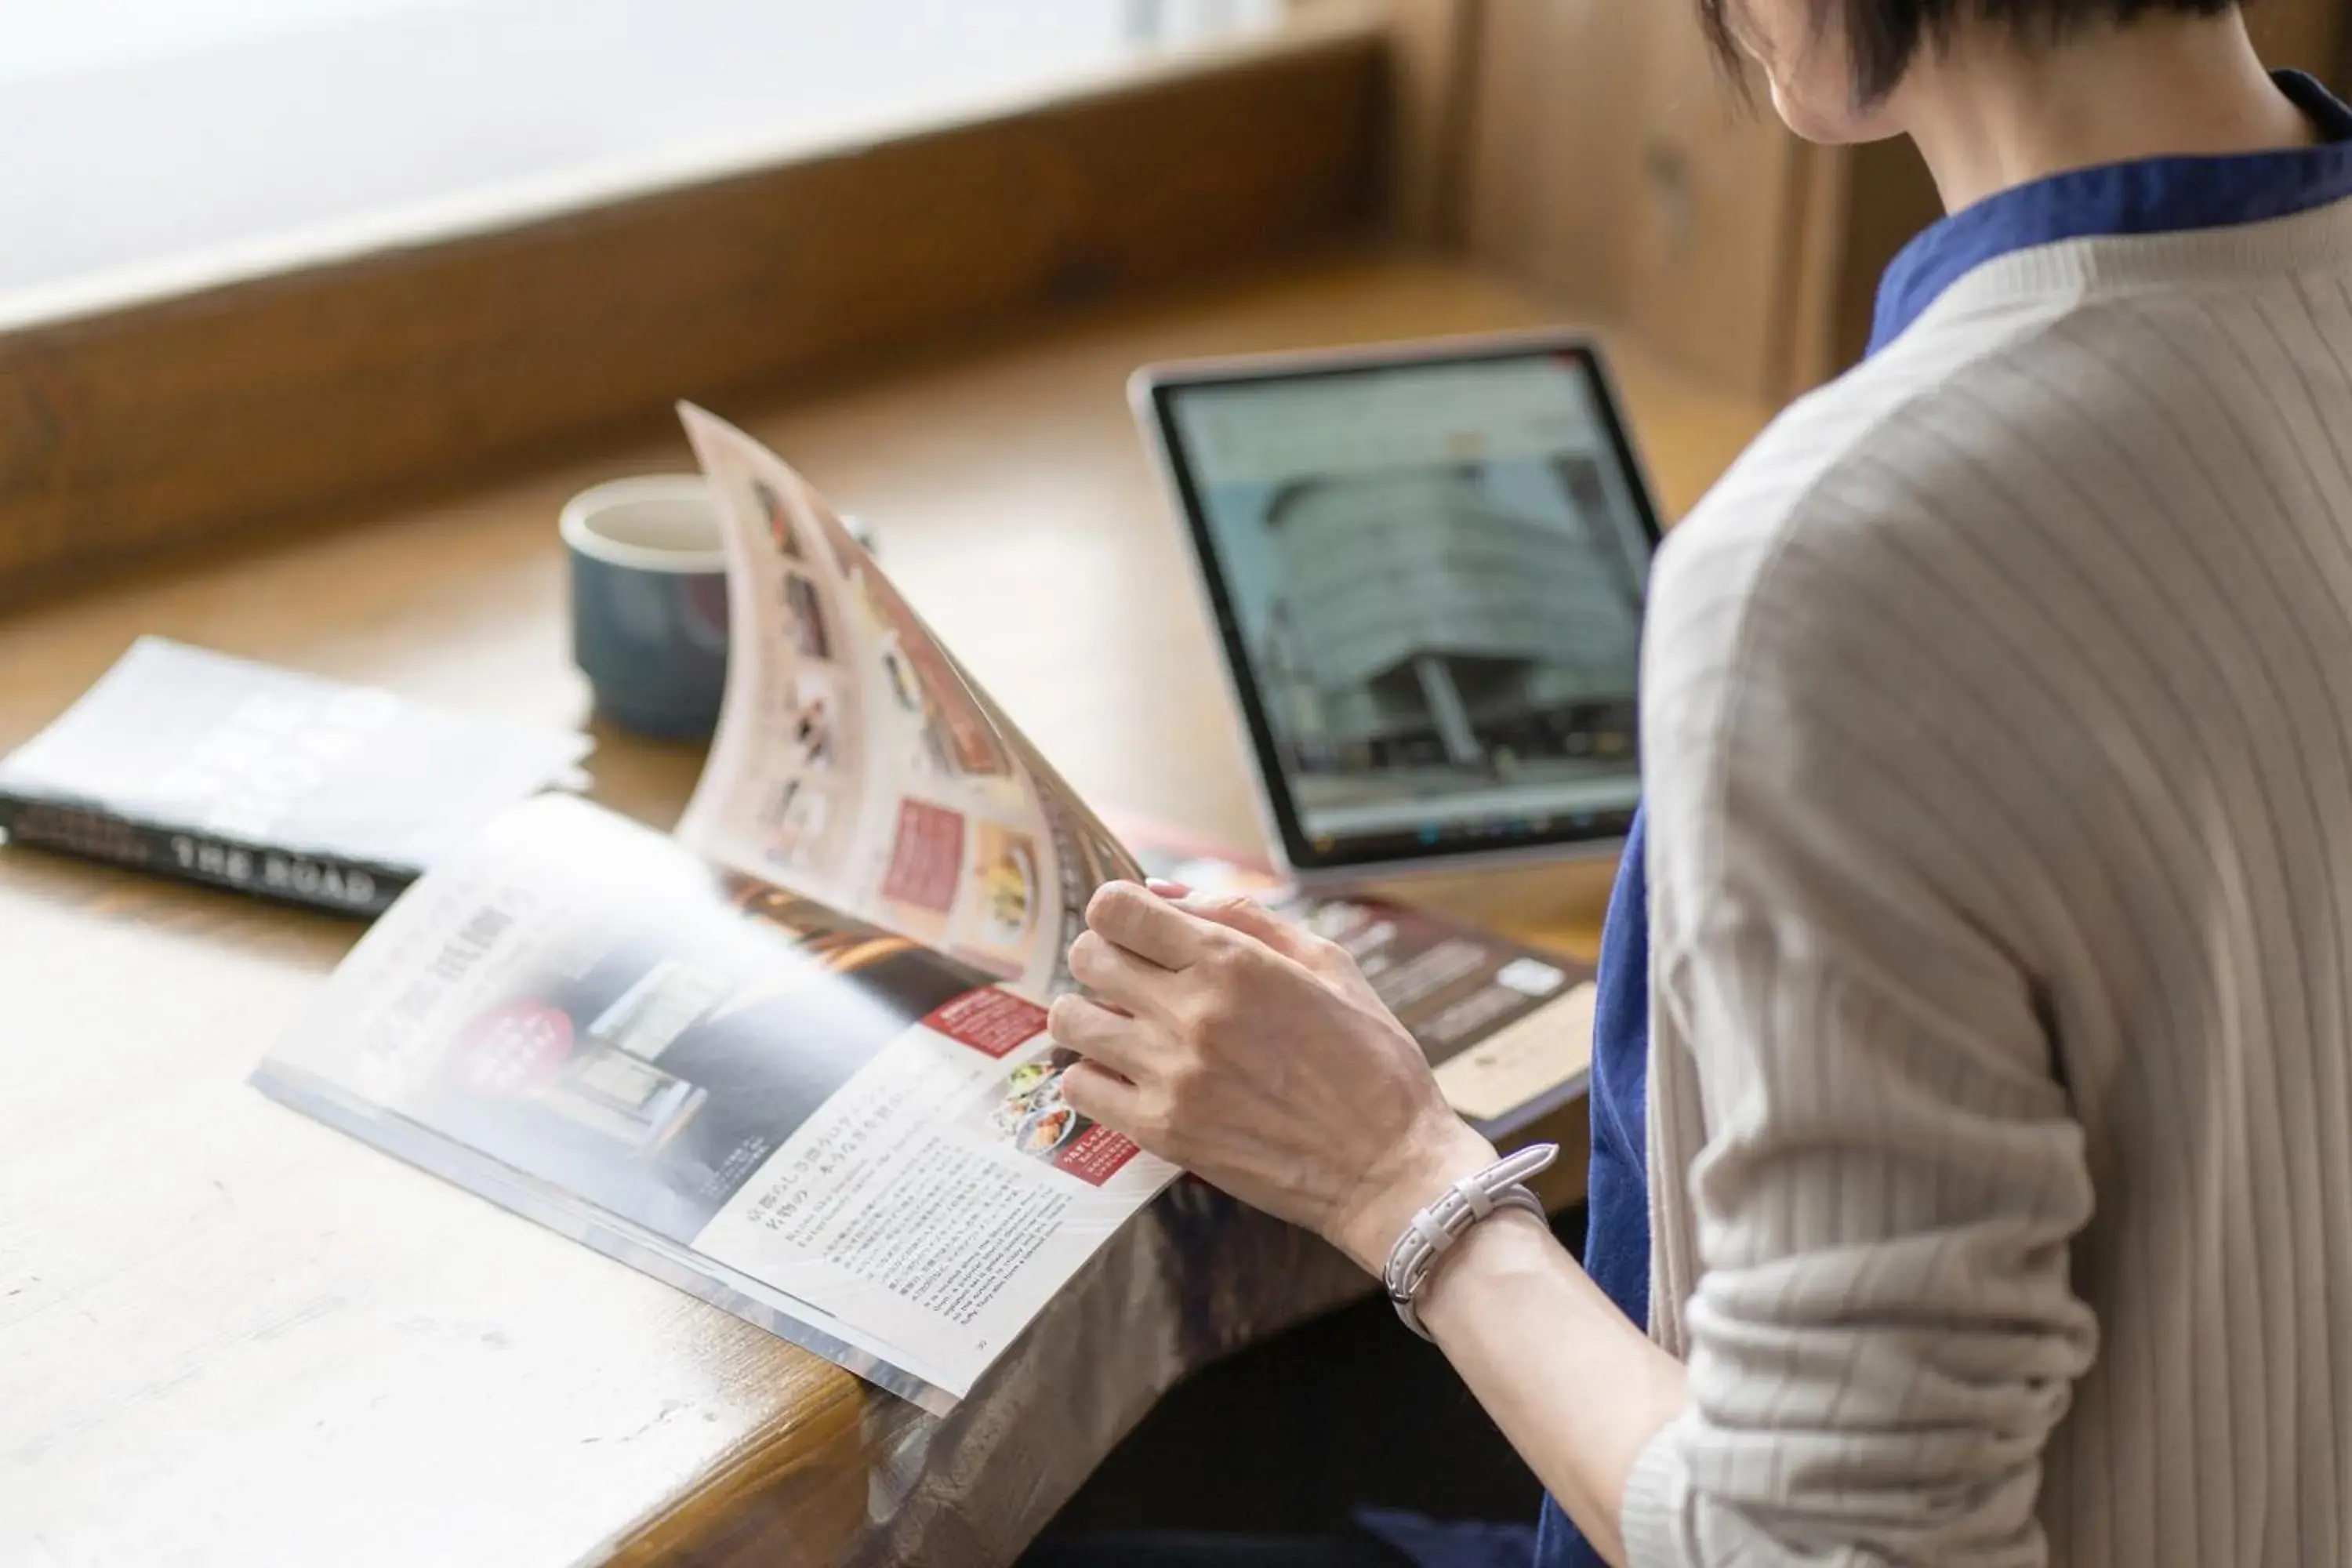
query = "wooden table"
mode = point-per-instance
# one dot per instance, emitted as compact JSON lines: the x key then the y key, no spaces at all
{"x":228,"y":1335}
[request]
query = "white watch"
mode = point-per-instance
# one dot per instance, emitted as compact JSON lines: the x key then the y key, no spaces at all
{"x":1434,"y":1230}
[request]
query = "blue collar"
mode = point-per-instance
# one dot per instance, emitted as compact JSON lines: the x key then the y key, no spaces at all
{"x":2151,"y":196}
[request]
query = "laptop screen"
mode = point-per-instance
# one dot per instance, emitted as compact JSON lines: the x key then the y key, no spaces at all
{"x":1429,"y":577}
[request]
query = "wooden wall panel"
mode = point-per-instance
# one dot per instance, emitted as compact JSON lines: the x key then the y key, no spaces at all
{"x":1552,"y":165}
{"x":1887,"y":197}
{"x":1434,"y":46}
{"x":1712,"y":232}
{"x":1808,"y":326}
{"x":2308,"y":34}
{"x":1612,"y":167}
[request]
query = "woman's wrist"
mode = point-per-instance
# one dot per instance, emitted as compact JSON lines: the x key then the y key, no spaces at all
{"x":1510,"y":1242}
{"x":1416,"y":1173}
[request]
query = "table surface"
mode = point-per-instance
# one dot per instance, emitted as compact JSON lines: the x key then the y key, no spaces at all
{"x":229,"y":1334}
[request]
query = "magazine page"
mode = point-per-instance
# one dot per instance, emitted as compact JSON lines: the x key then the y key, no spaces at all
{"x":856,"y":763}
{"x":819,"y":1124}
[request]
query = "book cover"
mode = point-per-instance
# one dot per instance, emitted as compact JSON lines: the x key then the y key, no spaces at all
{"x":195,"y":765}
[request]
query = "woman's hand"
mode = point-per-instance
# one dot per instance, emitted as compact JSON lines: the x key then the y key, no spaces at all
{"x":1256,"y":1056}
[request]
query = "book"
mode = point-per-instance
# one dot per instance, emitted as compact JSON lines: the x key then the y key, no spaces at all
{"x":793,"y":1057}
{"x":220,"y":770}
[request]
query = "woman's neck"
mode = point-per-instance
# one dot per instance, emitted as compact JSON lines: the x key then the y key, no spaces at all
{"x":1987,"y":114}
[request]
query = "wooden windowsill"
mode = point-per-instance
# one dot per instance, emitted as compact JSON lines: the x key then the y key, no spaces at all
{"x":147,"y":427}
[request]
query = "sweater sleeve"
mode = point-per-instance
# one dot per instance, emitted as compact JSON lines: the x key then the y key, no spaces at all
{"x":1881,"y":1333}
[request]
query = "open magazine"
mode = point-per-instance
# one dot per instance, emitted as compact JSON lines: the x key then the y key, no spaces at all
{"x":793,"y":1057}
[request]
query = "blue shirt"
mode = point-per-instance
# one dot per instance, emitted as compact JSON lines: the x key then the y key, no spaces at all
{"x":2149,"y":196}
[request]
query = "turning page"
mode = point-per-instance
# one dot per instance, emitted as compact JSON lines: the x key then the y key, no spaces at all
{"x":855,"y":761}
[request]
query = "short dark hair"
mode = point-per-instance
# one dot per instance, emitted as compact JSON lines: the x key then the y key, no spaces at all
{"x":1886,"y":35}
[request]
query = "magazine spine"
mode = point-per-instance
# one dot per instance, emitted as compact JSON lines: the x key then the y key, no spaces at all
{"x":340,"y":884}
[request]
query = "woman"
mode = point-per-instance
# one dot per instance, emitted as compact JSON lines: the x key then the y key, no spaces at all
{"x":1997,"y":724}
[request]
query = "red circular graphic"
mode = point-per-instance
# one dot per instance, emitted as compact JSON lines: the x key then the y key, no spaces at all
{"x":513,"y":1049}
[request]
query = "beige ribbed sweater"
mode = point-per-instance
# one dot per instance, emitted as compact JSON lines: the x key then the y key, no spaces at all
{"x":1999,"y":746}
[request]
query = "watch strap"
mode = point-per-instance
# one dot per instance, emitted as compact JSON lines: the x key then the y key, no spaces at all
{"x":1432,"y":1232}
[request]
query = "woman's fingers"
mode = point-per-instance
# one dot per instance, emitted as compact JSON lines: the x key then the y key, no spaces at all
{"x":1095,"y":1092}
{"x":1145,"y":924}
{"x":1247,"y":915}
{"x":1116,"y":976}
{"x":1112,"y":1039}
{"x":1156,"y":926}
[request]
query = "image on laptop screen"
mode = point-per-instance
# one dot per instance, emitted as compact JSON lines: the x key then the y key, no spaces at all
{"x":1433,"y":576}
